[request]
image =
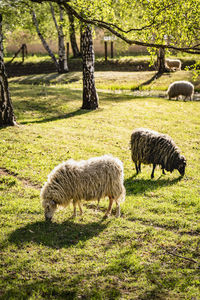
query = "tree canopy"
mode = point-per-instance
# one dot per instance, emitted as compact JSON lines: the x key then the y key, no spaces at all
{"x":153,"y":23}
{"x":143,"y":22}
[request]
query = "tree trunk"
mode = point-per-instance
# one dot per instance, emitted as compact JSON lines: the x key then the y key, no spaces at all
{"x":44,"y":43}
{"x":161,"y":60}
{"x":61,"y":45}
{"x":90,"y":96}
{"x":81,"y":40}
{"x":62,"y":62}
{"x":6,"y":109}
{"x":72,"y":34}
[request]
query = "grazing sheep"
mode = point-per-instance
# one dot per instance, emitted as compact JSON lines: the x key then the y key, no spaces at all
{"x":151,"y":147}
{"x":180,"y":88}
{"x":92,"y":179}
{"x":173,"y":64}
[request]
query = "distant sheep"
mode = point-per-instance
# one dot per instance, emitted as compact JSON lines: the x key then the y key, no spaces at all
{"x":173,"y":64}
{"x":151,"y":147}
{"x":92,"y":179}
{"x":180,"y":88}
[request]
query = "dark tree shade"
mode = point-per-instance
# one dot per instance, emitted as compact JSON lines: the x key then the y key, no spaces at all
{"x":6,"y":109}
{"x":90,"y":97}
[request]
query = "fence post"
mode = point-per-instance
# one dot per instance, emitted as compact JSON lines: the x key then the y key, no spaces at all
{"x":111,"y":49}
{"x":106,"y":50}
{"x":24,"y":51}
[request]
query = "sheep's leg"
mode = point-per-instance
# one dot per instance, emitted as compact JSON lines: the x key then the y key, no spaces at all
{"x":108,"y":212}
{"x":80,"y":208}
{"x":163,"y":170}
{"x":152,"y":174}
{"x":97,"y":208}
{"x":117,"y":210}
{"x":136,"y":167}
{"x":75,"y":212}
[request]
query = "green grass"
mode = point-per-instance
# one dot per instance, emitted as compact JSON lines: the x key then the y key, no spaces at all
{"x":111,"y":80}
{"x":151,"y":252}
{"x":28,"y":59}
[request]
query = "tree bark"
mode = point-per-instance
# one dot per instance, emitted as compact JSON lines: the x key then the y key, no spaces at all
{"x":72,"y":34}
{"x":61,"y":43}
{"x":90,"y":96}
{"x":62,"y":61}
{"x":161,"y":61}
{"x":44,"y":43}
{"x":6,"y":109}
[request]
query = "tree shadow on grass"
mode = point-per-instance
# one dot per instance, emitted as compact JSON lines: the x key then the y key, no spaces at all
{"x":30,"y":93}
{"x":75,"y":113}
{"x":72,"y":287}
{"x":156,"y":76}
{"x":56,"y":235}
{"x":44,"y":288}
{"x":139,"y":186}
{"x":52,"y":78}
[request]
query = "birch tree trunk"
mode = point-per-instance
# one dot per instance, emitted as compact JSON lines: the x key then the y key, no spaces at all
{"x":44,"y":43}
{"x":6,"y":109}
{"x":63,"y":66}
{"x":90,"y":96}
{"x":72,"y":34}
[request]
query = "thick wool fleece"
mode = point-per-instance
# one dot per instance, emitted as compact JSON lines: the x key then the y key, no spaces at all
{"x":180,"y":88}
{"x":87,"y":180}
{"x":151,"y":147}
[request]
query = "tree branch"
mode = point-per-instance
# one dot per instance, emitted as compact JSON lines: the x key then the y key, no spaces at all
{"x":193,"y":50}
{"x":46,"y":46}
{"x":128,"y":41}
{"x":53,"y":16}
{"x":137,"y":29}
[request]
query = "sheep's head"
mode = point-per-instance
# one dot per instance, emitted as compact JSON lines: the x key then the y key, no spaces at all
{"x":181,"y":165}
{"x":49,"y":209}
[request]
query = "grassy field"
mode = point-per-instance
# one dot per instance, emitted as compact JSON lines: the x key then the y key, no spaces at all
{"x":110,"y":80}
{"x":151,"y":252}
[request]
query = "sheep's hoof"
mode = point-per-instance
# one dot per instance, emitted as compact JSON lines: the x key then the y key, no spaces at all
{"x":72,"y":217}
{"x":117,"y":215}
{"x":106,"y":216}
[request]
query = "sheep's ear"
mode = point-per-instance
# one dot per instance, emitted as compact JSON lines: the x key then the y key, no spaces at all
{"x":183,"y":160}
{"x":52,"y":202}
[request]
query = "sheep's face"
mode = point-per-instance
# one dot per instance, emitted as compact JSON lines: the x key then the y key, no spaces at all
{"x":181,"y":166}
{"x":49,"y":209}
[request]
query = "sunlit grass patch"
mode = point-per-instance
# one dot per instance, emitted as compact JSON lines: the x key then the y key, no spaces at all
{"x":151,"y":252}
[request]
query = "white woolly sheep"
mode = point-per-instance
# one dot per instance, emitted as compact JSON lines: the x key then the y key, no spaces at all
{"x":151,"y":147}
{"x":92,"y":179}
{"x":173,"y":64}
{"x":180,"y":88}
